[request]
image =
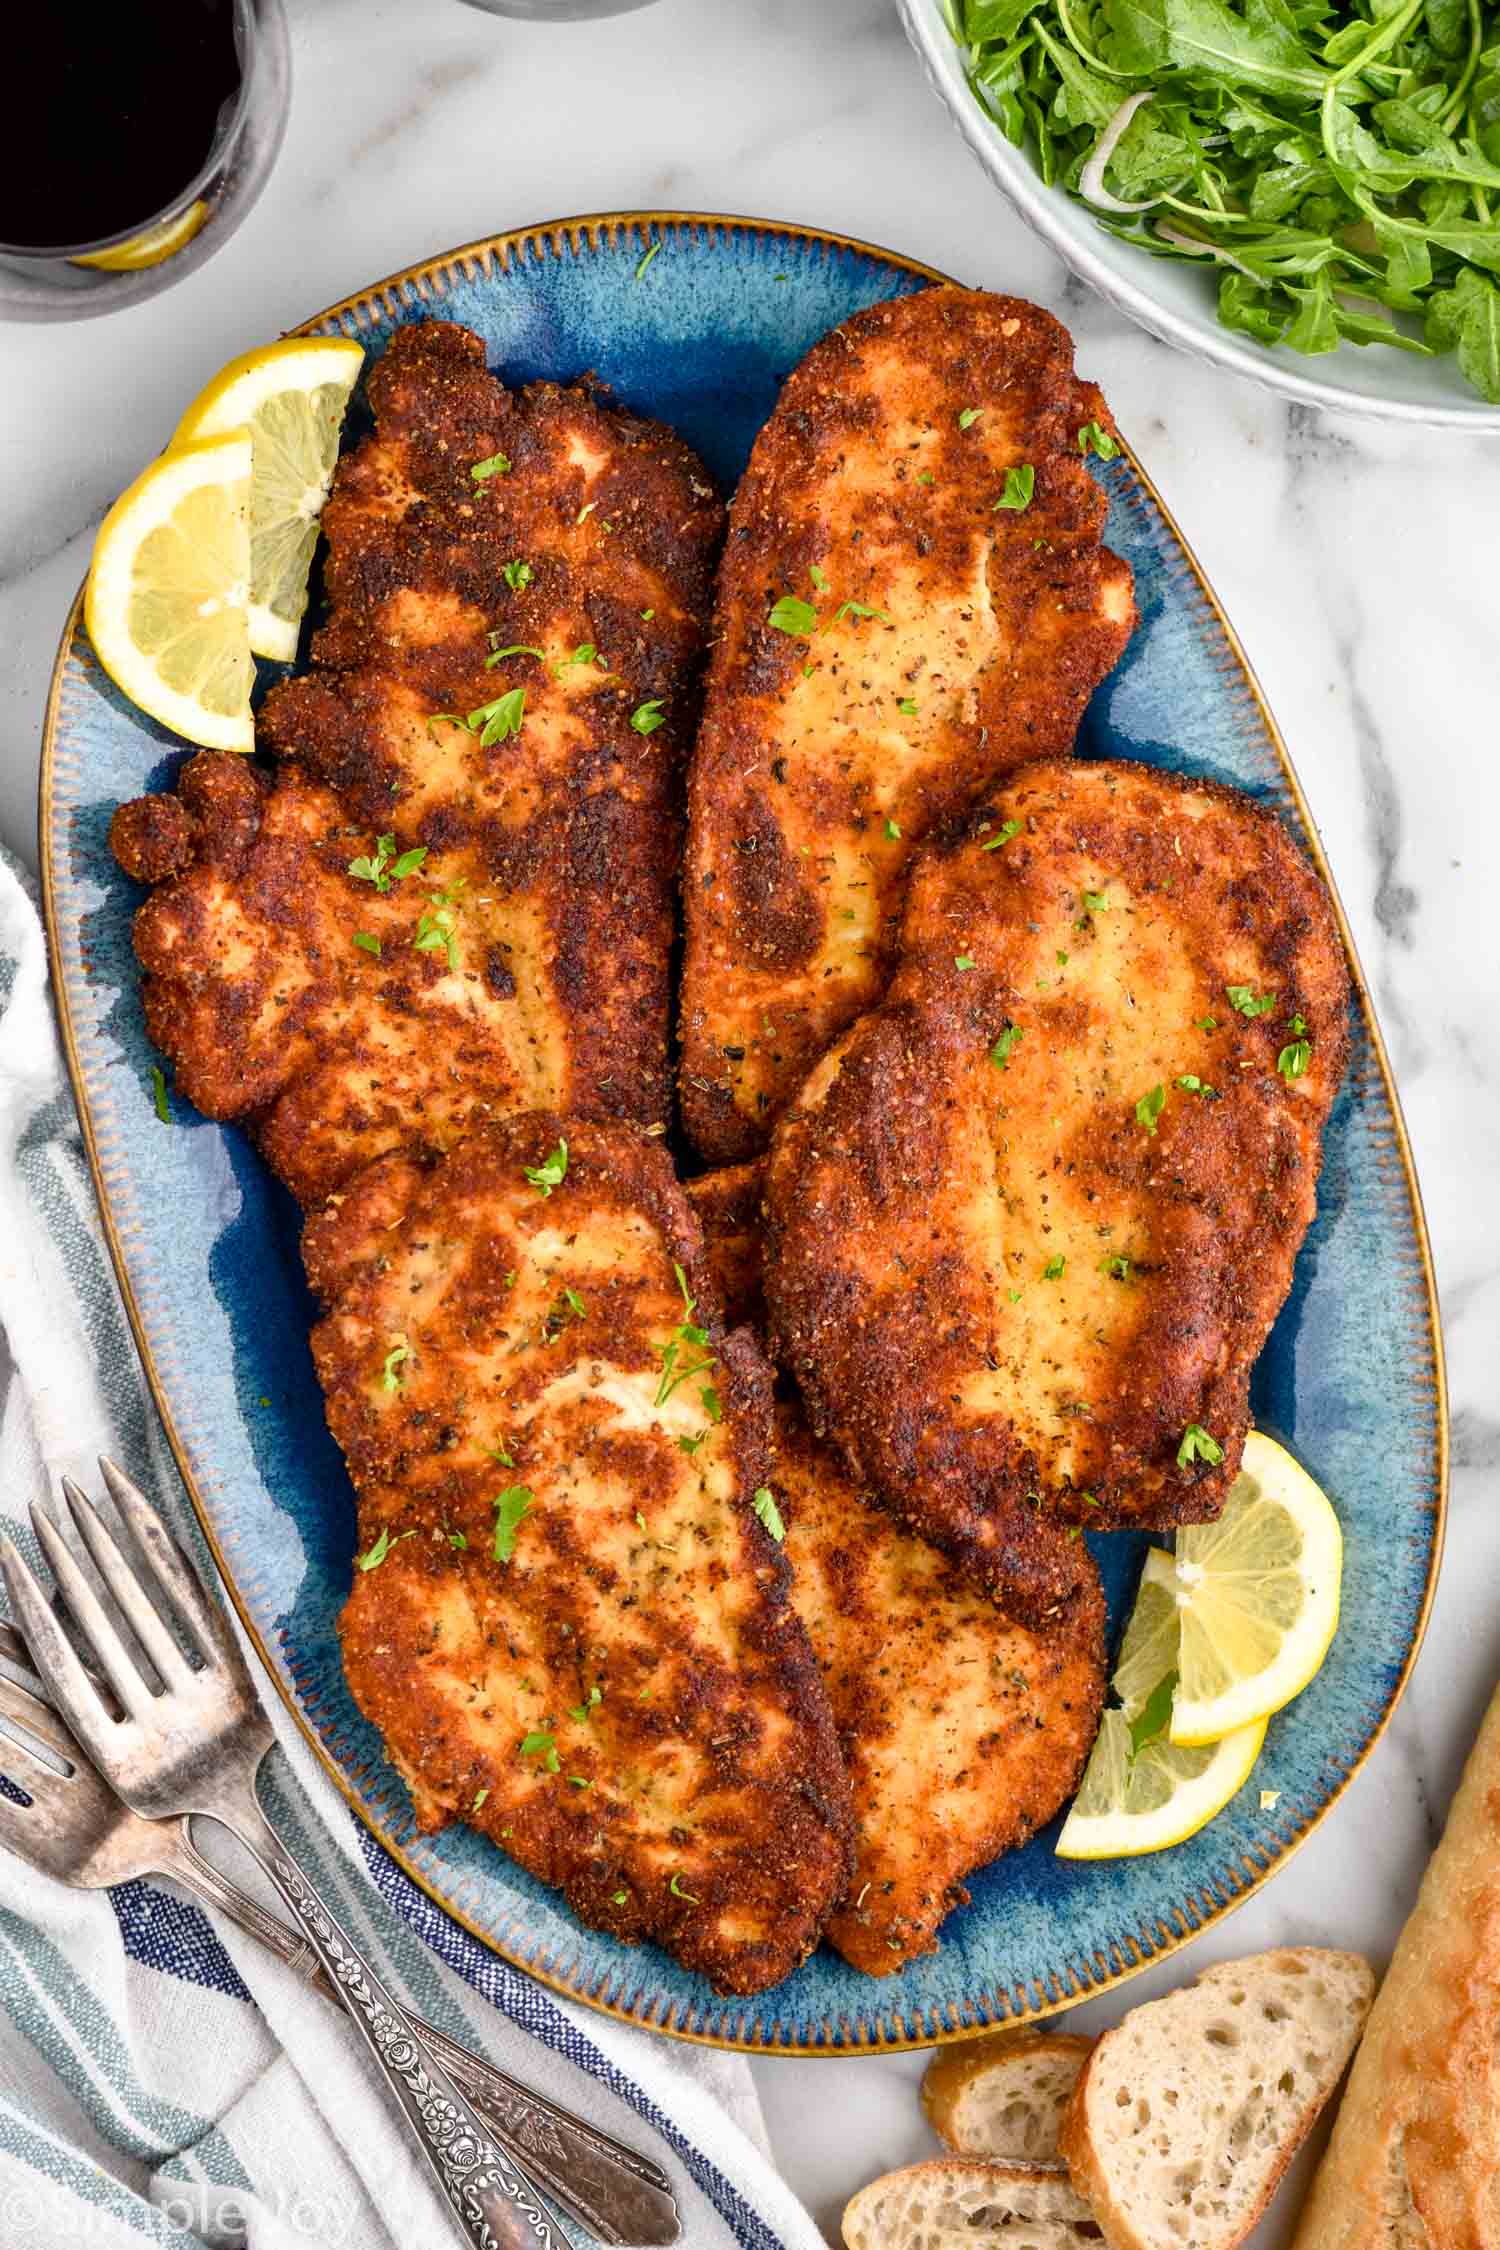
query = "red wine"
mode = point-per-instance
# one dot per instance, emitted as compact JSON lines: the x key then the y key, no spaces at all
{"x":115,"y":109}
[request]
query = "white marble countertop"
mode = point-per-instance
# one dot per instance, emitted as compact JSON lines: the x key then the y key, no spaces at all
{"x":1360,"y":566}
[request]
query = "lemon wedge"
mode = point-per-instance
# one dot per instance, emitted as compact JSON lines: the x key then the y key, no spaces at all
{"x":1256,"y":1596}
{"x":1161,"y":1795}
{"x":169,"y":588}
{"x":291,"y":397}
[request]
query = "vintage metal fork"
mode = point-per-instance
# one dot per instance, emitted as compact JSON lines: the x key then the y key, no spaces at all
{"x":77,"y":1830}
{"x":194,"y":1744}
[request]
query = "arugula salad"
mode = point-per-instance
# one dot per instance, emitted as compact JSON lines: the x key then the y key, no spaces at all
{"x":1336,"y":161}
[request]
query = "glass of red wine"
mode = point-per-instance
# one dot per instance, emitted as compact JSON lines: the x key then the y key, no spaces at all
{"x":145,"y":132}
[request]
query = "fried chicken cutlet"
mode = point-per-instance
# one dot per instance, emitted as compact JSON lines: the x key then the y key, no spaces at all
{"x":962,"y":1730}
{"x":568,"y":1622}
{"x":455,"y":899}
{"x":913,"y":601}
{"x":1031,"y":1220}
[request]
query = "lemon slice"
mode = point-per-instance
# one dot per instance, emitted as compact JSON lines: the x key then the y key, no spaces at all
{"x":1164,"y":1794}
{"x":291,"y":397}
{"x":150,"y":246}
{"x":1257,"y":1596}
{"x":168,"y":590}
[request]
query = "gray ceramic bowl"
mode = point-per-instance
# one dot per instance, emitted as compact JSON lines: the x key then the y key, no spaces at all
{"x":1176,"y":301}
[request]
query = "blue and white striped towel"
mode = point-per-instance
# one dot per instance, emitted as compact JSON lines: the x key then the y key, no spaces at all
{"x":161,"y":2078}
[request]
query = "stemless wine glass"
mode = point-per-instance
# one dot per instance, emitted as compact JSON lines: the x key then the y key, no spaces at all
{"x":130,"y":163}
{"x":558,"y":11}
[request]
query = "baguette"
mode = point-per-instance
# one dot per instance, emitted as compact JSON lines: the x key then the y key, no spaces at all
{"x":954,"y":2203}
{"x":1004,"y":2095}
{"x":1414,"y":2162}
{"x":1187,"y":2113}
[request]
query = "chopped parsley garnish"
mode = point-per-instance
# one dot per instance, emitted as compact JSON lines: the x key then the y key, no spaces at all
{"x":795,"y":616}
{"x":925,"y":476}
{"x":511,"y":1507}
{"x":1014,"y":1295}
{"x":367,"y":943}
{"x":1094,"y":439}
{"x":1154,"y":1716}
{"x":499,"y":1452}
{"x":764,"y":1504}
{"x":1197,"y":1445}
{"x":963,"y":960}
{"x":892,"y":830}
{"x":1006,"y":1045}
{"x":969,"y":416}
{"x":818,"y":579}
{"x":1020,"y":484}
{"x":1150,"y":1107}
{"x":677,"y":1891}
{"x":859,"y":609}
{"x":437,"y":925}
{"x":1118,"y":1268}
{"x":1002,"y":835}
{"x":1062,"y":958}
{"x":492,"y":722}
{"x":1241,"y":997}
{"x":569,"y":1306}
{"x":907,"y":707}
{"x":687,"y":1336}
{"x":1094,"y":902}
{"x":643,"y":263}
{"x":647,"y":615}
{"x":516,"y":648}
{"x":479,"y":1800}
{"x":585,"y":1710}
{"x":586,"y":511}
{"x":384,"y":868}
{"x":517,"y":575}
{"x":551,"y":1172}
{"x":382,"y":1548}
{"x":620,"y":1898}
{"x":585,"y":653}
{"x":647,"y":717}
{"x":1295,"y":1056}
{"x":457,"y":1539}
{"x":1054,"y":1269}
{"x":159,"y":1095}
{"x":541,"y":1745}
{"x":391,"y":1376}
{"x":1191,"y":1084}
{"x":493,"y":465}
{"x":1208,"y":1023}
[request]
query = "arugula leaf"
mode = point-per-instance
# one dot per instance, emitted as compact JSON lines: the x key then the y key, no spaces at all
{"x":1331,"y":166}
{"x":647,"y":717}
{"x":1093,"y":438}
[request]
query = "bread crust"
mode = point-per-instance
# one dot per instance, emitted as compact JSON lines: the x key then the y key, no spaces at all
{"x":1414,"y":2161}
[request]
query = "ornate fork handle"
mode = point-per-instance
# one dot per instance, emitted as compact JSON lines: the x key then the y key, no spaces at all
{"x":588,"y":2172}
{"x":495,"y":2205}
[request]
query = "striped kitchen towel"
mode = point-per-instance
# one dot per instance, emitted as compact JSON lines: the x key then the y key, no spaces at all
{"x":161,"y":2078}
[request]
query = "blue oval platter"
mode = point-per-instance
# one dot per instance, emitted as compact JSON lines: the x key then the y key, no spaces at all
{"x":206,"y":1242}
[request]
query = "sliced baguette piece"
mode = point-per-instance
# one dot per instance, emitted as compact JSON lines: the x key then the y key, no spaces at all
{"x":958,"y":2203}
{"x":1003,"y":2096}
{"x":1187,"y":2113}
